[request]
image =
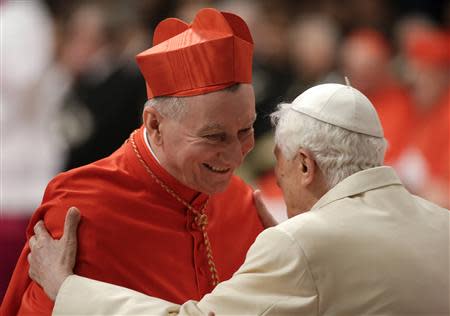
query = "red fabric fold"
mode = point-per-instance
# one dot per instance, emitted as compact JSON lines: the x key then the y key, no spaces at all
{"x":134,"y":234}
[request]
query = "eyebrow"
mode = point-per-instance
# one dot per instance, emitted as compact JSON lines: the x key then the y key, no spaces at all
{"x":212,"y":126}
{"x":217,"y":126}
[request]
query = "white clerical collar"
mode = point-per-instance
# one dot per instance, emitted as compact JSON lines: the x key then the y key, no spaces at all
{"x":148,"y":145}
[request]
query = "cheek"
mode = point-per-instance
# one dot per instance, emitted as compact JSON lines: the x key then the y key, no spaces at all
{"x":248,"y":145}
{"x":284,"y":176}
{"x":277,"y":169}
{"x":279,"y":176}
{"x":199,"y":153}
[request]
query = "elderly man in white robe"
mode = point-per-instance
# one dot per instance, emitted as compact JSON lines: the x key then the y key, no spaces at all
{"x":357,"y":242}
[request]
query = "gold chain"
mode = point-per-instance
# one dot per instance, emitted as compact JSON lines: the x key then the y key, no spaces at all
{"x":201,"y":219}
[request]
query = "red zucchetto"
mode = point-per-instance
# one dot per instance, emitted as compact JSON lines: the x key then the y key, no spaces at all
{"x":212,"y":53}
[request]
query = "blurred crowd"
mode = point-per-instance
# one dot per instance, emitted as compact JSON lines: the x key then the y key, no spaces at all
{"x":71,"y":91}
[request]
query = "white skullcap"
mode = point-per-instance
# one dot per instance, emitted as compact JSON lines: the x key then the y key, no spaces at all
{"x":340,"y":105}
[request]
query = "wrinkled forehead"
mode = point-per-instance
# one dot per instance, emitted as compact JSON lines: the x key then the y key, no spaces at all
{"x":221,"y":108}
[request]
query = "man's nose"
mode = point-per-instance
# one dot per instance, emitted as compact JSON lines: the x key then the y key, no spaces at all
{"x":234,"y":152}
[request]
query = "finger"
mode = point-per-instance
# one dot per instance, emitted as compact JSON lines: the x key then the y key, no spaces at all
{"x":32,"y":242}
{"x":266,"y":217}
{"x":71,"y":225}
{"x":40,"y":230}
{"x":31,"y":273}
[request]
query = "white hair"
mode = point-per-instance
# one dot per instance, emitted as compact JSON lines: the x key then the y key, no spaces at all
{"x":175,"y":107}
{"x":338,"y":152}
{"x":170,"y":107}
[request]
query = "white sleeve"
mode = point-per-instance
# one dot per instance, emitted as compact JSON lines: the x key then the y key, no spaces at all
{"x":274,"y":280}
{"x":83,"y":296}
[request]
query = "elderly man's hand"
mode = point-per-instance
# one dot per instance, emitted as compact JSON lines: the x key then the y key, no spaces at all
{"x":266,"y":217}
{"x":52,"y":261}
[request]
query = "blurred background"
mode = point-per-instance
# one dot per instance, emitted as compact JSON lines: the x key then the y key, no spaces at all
{"x":71,"y":91}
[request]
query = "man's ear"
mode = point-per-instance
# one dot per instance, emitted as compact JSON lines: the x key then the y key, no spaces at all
{"x":307,"y":165}
{"x":152,"y":121}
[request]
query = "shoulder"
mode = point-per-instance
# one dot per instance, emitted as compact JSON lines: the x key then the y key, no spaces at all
{"x":238,"y":196}
{"x":277,"y":244}
{"x":306,"y":222}
{"x":92,"y":184}
{"x":236,"y":204}
{"x":238,"y":184}
{"x":107,"y":170}
{"x":429,"y":206}
{"x":238,"y":191}
{"x":65,"y":181}
{"x":277,"y":252}
{"x":434,"y":214}
{"x":319,"y":228}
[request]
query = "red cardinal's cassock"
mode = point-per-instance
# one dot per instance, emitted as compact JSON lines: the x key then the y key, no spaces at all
{"x":141,"y":228}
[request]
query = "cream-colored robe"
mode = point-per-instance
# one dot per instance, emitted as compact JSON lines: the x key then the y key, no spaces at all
{"x":367,"y":247}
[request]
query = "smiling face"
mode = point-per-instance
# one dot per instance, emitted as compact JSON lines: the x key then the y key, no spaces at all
{"x":205,"y":146}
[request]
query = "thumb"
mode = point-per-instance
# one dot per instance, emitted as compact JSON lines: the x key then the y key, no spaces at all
{"x":71,"y":224}
{"x":266,"y":217}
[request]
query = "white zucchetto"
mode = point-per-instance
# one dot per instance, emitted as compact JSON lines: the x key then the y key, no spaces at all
{"x":340,"y":105}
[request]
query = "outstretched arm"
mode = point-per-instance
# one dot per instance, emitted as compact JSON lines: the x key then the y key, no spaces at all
{"x":52,"y":261}
{"x":274,"y":280}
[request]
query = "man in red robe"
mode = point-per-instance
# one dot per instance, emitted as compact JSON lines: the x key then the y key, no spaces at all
{"x":164,"y":214}
{"x":365,"y":58}
{"x":424,"y":164}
